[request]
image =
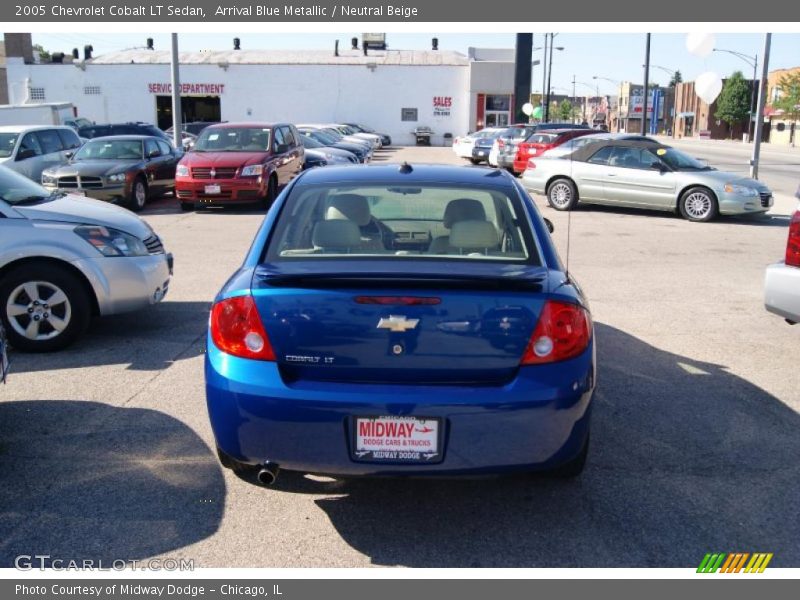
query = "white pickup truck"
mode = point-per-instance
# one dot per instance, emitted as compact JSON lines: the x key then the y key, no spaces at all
{"x":45,"y":113}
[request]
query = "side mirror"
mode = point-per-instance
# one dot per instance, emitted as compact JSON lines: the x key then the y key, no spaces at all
{"x":282,"y":148}
{"x":25,"y":153}
{"x":154,"y":154}
{"x":549,"y":224}
{"x":69,"y":154}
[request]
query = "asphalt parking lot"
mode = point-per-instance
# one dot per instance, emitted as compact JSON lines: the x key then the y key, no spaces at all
{"x":106,"y":451}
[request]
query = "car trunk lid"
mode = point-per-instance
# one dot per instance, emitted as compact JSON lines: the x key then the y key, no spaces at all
{"x":383,"y":323}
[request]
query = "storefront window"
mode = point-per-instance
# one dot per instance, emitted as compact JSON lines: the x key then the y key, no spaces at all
{"x":498,"y":102}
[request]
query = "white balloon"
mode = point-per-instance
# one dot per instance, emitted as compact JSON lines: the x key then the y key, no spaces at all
{"x":527,"y":108}
{"x":708,"y":86}
{"x":700,"y":44}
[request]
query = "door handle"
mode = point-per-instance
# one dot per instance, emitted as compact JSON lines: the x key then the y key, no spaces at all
{"x":611,"y":175}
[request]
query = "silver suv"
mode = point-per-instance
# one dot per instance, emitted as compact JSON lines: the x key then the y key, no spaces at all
{"x":65,"y":258}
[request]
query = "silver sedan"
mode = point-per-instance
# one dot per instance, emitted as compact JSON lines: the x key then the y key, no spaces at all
{"x":644,"y":174}
{"x":65,"y":258}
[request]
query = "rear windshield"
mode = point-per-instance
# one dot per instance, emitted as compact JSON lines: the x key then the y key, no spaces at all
{"x":110,"y":150}
{"x":386,"y":221}
{"x":542,"y":138}
{"x":233,"y":139}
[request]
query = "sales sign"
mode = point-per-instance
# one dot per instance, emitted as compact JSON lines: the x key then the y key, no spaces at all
{"x":442,"y":106}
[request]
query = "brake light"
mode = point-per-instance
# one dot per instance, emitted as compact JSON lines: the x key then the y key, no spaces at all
{"x":563,"y":331}
{"x":793,"y":243}
{"x":236,"y":329}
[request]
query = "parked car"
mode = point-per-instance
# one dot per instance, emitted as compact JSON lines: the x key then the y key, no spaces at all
{"x":133,"y":128}
{"x":375,"y":139}
{"x":31,"y":150}
{"x":513,"y":133}
{"x":462,"y":145}
{"x":338,"y":136}
{"x":483,"y":146}
{"x":570,"y":146}
{"x":782,"y":280}
{"x":361,"y":151}
{"x":77,"y":123}
{"x":386,"y":140}
{"x":401,"y":321}
{"x":65,"y":258}
{"x":320,"y":155}
{"x":538,"y":143}
{"x":123,"y":169}
{"x":644,"y":175}
{"x":236,"y":163}
{"x":520,"y":132}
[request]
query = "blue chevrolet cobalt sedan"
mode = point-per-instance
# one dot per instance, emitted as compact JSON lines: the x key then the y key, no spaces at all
{"x":401,"y":320}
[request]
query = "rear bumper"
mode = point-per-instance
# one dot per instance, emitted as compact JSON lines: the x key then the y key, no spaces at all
{"x":232,"y":191}
{"x":538,"y":420}
{"x":505,"y":162}
{"x":479,"y":153}
{"x":782,"y":291}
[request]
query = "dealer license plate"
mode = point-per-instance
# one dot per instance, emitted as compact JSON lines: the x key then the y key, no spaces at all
{"x":213,"y":189}
{"x":481,"y":153}
{"x":397,"y":439}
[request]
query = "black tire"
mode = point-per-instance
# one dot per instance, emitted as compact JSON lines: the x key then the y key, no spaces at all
{"x":187,"y":206}
{"x":475,"y":161}
{"x":73,"y":314}
{"x":138,"y":195}
{"x":574,"y":467}
{"x":272,"y":192}
{"x":562,"y":194}
{"x":698,"y":204}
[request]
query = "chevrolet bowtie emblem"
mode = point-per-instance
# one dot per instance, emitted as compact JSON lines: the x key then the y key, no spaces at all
{"x":397,"y":323}
{"x":213,"y":173}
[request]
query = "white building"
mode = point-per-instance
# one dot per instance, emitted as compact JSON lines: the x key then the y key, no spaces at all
{"x":393,"y":91}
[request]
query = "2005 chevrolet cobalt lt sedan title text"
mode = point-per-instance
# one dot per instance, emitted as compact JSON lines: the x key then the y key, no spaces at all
{"x":401,"y":320}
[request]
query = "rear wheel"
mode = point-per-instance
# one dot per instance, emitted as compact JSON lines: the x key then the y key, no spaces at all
{"x":474,"y":161}
{"x":187,"y":206}
{"x":698,"y":204}
{"x":562,"y":195}
{"x":138,"y":197}
{"x":272,"y":192}
{"x":44,"y":307}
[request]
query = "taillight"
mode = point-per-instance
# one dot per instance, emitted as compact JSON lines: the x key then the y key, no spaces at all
{"x":793,"y":243}
{"x":563,"y":331}
{"x":236,"y":329}
{"x":500,"y":143}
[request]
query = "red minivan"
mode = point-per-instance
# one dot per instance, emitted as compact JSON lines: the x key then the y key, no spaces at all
{"x":239,"y":163}
{"x":540,"y":141}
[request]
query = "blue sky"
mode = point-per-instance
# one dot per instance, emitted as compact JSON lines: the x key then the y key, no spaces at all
{"x":617,"y":56}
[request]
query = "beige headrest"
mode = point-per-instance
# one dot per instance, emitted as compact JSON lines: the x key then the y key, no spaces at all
{"x":350,"y":206}
{"x":474,"y":234}
{"x":339,"y":233}
{"x":463,"y":209}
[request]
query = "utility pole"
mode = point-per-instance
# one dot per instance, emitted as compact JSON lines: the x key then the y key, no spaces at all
{"x":573,"y":97}
{"x":762,"y":97}
{"x":549,"y":75}
{"x":646,"y":85}
{"x":544,"y":73}
{"x":177,"y":117}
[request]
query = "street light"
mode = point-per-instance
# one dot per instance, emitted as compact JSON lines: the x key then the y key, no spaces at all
{"x":753,"y":61}
{"x":547,"y":74}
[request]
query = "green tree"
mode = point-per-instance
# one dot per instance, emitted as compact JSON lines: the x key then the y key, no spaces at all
{"x":565,"y":110}
{"x":676,"y":79}
{"x":44,"y":55}
{"x":733,"y":105}
{"x":789,"y":100}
